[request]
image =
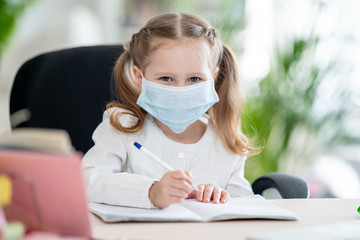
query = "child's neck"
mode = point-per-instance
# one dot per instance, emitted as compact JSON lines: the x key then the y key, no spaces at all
{"x":192,"y":133}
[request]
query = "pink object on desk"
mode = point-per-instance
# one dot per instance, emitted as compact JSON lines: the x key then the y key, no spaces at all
{"x":50,"y":236}
{"x":48,"y":191}
{"x":2,"y":221}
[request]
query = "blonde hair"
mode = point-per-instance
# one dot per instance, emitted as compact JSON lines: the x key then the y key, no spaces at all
{"x":224,"y":115}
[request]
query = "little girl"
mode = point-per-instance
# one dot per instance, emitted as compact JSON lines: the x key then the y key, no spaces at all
{"x":181,"y":98}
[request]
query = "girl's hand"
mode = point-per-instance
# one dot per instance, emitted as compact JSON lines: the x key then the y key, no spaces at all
{"x":210,"y":192}
{"x":173,"y":187}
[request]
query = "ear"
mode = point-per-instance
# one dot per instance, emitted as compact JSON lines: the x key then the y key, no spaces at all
{"x":137,"y":73}
{"x":215,"y":73}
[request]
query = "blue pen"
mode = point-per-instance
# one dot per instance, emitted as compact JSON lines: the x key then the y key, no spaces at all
{"x":158,"y":160}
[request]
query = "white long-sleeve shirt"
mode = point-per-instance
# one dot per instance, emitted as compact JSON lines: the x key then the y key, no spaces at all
{"x":118,"y":173}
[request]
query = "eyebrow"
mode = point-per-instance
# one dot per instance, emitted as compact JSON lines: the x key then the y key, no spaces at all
{"x":163,"y":73}
{"x":196,"y":73}
{"x":172,"y":74}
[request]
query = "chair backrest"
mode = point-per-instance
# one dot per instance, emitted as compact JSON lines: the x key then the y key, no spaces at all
{"x":66,"y":89}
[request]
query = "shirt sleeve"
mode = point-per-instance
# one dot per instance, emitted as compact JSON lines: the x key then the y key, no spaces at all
{"x":103,"y":166}
{"x":238,"y":185}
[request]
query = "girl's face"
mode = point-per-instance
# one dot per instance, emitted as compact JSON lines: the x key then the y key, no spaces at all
{"x":178,"y":63}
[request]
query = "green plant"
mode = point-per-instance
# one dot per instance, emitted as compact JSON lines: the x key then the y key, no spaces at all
{"x":283,"y":113}
{"x":283,"y":102}
{"x":10,"y":11}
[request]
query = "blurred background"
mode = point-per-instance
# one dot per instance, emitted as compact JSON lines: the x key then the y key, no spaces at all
{"x":299,"y":61}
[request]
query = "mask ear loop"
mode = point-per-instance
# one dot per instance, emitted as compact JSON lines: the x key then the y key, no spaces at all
{"x":142,"y":77}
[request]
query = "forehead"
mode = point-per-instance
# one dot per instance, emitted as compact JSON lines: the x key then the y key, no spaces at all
{"x":187,"y":54}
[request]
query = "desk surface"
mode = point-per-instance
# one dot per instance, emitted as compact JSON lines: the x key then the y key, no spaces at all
{"x":310,"y":212}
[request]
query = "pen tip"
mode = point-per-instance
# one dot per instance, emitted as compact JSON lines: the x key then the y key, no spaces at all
{"x":138,"y":145}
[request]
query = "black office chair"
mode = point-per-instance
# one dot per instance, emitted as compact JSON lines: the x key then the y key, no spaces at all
{"x":68,"y":89}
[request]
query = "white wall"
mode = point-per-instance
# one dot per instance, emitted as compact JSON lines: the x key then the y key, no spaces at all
{"x":50,"y":25}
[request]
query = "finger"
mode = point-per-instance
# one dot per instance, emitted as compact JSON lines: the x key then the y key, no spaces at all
{"x":191,"y":195}
{"x":168,"y":189}
{"x":160,"y":195}
{"x":199,"y":194}
{"x":181,"y":185}
{"x":189,"y":177}
{"x":176,"y":200}
{"x":224,"y":196}
{"x":175,"y":192}
{"x":189,"y":174}
{"x":207,"y":193}
{"x":193,"y":186}
{"x":180,"y":175}
{"x":217,"y":194}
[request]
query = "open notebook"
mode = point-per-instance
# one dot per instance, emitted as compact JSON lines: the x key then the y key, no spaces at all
{"x":252,"y":207}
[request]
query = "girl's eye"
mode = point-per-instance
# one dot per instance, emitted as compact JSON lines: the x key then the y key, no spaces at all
{"x":166,"y":79}
{"x":194,"y":79}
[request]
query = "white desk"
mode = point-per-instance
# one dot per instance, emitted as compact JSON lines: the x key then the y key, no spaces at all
{"x":310,"y":211}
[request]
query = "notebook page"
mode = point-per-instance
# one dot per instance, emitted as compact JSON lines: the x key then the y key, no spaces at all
{"x":239,"y":208}
{"x":109,"y":213}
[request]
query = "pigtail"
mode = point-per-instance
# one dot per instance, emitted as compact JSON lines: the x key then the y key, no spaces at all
{"x":129,"y":94}
{"x":226,"y":114}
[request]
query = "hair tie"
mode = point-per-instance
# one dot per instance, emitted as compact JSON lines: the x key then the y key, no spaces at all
{"x":212,"y":33}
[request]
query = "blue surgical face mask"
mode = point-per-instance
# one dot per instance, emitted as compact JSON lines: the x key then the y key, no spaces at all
{"x":177,"y":107}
